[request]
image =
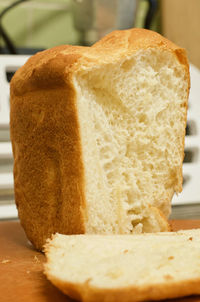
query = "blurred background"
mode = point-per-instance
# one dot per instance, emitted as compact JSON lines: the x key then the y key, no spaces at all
{"x":30,"y":26}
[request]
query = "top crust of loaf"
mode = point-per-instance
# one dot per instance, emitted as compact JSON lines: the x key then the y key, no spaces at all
{"x":48,"y":165}
{"x":53,"y":67}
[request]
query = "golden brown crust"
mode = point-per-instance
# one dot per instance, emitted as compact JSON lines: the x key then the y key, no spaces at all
{"x":167,"y":290}
{"x":48,"y":166}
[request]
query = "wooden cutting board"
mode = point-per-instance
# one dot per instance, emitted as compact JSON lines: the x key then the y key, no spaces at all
{"x":21,"y":267}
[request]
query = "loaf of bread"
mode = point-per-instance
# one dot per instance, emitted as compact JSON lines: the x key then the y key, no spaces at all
{"x":98,"y":136}
{"x":126,"y":268}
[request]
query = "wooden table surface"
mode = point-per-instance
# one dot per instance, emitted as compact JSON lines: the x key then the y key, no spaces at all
{"x":21,"y":267}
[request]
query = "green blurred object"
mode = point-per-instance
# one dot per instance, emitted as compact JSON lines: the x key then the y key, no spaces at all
{"x":42,"y":24}
{"x":141,"y":13}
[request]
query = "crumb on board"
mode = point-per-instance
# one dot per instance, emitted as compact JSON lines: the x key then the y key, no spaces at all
{"x":36,"y":259}
{"x":170,"y":257}
{"x":191,"y":238}
{"x":5,"y":261}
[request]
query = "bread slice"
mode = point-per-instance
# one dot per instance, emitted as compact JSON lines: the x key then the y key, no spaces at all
{"x":126,"y":268}
{"x":98,"y":136}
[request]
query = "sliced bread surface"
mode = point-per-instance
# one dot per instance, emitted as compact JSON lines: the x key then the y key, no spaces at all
{"x":98,"y":136}
{"x":143,"y":267}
